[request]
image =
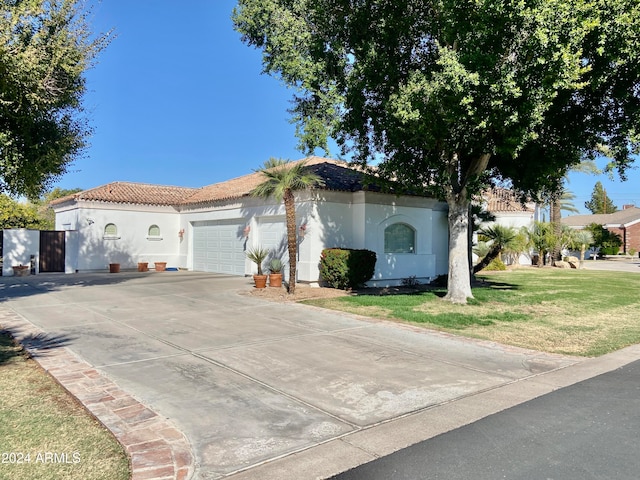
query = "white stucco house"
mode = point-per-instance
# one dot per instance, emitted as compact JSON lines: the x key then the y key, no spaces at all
{"x":509,"y":211}
{"x":210,"y":228}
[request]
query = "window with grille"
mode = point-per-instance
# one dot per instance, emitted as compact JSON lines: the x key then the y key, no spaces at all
{"x":399,"y":238}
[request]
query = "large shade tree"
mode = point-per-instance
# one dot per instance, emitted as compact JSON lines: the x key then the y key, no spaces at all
{"x":45,"y":48}
{"x":282,"y":178}
{"x":449,"y":94}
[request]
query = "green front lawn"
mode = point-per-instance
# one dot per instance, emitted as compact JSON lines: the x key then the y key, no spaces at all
{"x":576,"y":312}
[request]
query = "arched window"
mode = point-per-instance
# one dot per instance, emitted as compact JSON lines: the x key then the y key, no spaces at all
{"x":154,"y":231}
{"x":110,"y":230}
{"x":399,"y":238}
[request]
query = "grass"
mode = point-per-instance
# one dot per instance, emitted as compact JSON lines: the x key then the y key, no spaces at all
{"x":44,"y":432}
{"x":574,"y":312}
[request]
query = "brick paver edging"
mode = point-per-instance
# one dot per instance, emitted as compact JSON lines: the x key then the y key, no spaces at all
{"x":157,"y":449}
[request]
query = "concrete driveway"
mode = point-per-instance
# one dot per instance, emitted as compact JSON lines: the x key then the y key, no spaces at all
{"x":268,"y":390}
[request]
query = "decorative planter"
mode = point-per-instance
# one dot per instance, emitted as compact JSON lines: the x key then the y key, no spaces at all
{"x":275,"y":280}
{"x":143,"y":266}
{"x":114,"y":268}
{"x":21,"y":270}
{"x":160,"y":266}
{"x":260,"y":280}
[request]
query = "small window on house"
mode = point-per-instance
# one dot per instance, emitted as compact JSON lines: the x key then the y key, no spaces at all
{"x":110,"y":230}
{"x":154,"y":233}
{"x":399,"y":238}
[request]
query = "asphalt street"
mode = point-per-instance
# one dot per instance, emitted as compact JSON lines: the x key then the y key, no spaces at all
{"x":586,"y":431}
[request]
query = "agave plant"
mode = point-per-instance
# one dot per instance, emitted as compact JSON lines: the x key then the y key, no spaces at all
{"x":275,"y":265}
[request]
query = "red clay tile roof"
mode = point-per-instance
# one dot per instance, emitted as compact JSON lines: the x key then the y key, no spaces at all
{"x":337,"y":175}
{"x":130,"y":192}
{"x":504,"y":200}
{"x":242,"y":186}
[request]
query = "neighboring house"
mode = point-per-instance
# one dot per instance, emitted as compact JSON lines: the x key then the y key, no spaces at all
{"x":625,"y":222}
{"x":509,"y":211}
{"x":210,"y":228}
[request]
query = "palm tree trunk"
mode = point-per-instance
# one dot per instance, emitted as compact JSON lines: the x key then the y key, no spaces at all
{"x":488,"y":258}
{"x":554,"y":213}
{"x":292,"y":238}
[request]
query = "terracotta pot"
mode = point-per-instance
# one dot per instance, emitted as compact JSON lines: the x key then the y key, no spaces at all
{"x":160,"y":266}
{"x":114,"y":268}
{"x":260,"y":281}
{"x":143,"y":266}
{"x":275,"y":280}
{"x":21,"y":270}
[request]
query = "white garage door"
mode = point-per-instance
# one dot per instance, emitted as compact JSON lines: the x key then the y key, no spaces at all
{"x":218,"y":246}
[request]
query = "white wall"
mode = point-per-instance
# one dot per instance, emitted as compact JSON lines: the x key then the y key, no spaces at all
{"x":94,"y":250}
{"x":516,"y":220}
{"x":358,"y":220}
{"x":18,"y":245}
{"x":332,"y":219}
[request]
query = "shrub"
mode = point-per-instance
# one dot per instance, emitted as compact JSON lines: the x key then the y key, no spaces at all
{"x":346,"y":268}
{"x":410,"y":281}
{"x":496,"y":265}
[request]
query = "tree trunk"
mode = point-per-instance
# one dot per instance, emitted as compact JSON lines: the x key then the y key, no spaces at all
{"x":470,"y":231}
{"x":459,"y":287}
{"x":554,"y":213}
{"x":292,"y":239}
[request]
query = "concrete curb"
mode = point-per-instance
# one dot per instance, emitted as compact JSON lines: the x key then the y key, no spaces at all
{"x":156,"y":448}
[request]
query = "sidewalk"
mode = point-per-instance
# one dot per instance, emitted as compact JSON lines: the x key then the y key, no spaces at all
{"x":242,"y":388}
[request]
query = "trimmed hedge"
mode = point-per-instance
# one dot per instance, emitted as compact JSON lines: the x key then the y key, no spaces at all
{"x":346,"y":268}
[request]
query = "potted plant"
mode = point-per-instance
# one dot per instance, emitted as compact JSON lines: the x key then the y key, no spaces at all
{"x":143,"y":266}
{"x":257,"y":255}
{"x":114,"y":268}
{"x":20,"y":270}
{"x":160,"y":266}
{"x":275,"y":272}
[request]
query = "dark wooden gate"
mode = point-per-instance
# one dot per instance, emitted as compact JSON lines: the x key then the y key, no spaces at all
{"x":52,"y":251}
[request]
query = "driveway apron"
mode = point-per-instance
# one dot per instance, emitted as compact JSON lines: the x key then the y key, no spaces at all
{"x":249,"y":381}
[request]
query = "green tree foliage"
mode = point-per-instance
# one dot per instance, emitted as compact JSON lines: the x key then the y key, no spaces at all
{"x":45,"y":48}
{"x":450,"y":93}
{"x":15,"y":214}
{"x":608,"y":242}
{"x":282,"y":178}
{"x":599,"y":202}
{"x":581,"y":239}
{"x":45,"y":212}
{"x":541,"y":239}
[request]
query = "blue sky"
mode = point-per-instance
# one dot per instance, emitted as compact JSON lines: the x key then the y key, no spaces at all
{"x":178,"y":99}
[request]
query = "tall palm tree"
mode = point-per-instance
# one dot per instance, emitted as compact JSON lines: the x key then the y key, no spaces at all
{"x":281,"y":179}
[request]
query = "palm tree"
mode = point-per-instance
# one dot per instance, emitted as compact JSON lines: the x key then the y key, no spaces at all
{"x":282,"y":179}
{"x":541,"y":238}
{"x":582,"y":239}
{"x":500,"y":237}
